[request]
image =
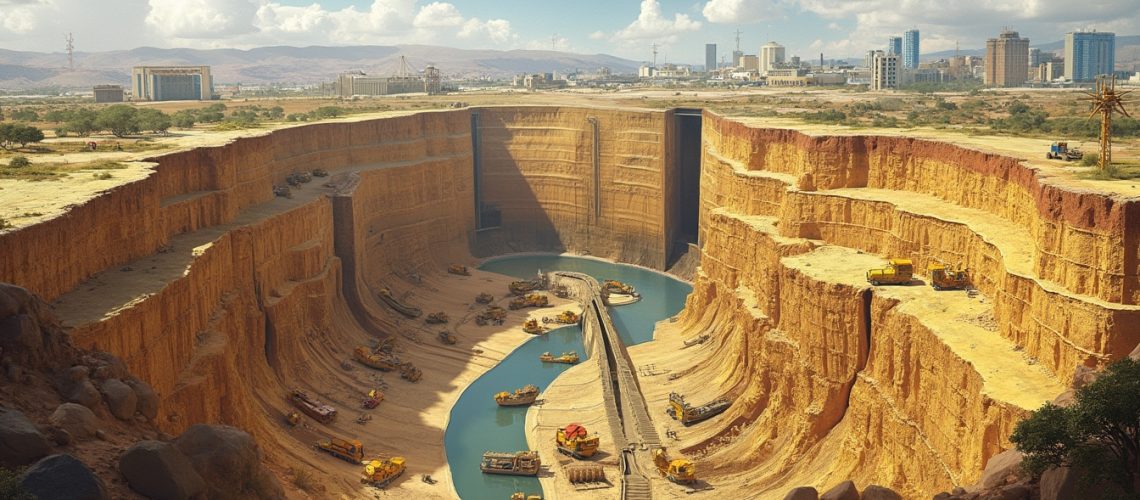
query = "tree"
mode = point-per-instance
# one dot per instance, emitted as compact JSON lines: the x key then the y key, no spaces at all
{"x":275,"y":113}
{"x":153,"y":120}
{"x":184,"y":119}
{"x":25,"y":115}
{"x":120,"y":119}
{"x":81,"y":122}
{"x":1098,"y":435}
{"x":12,"y":134}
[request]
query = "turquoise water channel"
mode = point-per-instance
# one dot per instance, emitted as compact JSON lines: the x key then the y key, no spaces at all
{"x":477,"y":424}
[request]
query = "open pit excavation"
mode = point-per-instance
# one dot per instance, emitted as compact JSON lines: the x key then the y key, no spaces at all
{"x":226,"y":298}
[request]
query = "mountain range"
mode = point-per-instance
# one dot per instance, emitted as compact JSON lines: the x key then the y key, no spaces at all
{"x":299,"y":65}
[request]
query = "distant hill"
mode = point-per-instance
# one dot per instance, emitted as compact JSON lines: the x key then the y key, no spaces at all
{"x":301,"y":65}
{"x":1127,"y":51}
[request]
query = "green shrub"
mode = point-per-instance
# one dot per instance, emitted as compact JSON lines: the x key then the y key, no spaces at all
{"x":19,"y":161}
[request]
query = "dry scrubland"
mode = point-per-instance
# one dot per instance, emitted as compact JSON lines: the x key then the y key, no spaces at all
{"x":223,"y":297}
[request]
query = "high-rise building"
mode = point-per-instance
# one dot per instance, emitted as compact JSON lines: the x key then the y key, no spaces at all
{"x":884,"y":70}
{"x":172,"y":83}
{"x":910,"y":49}
{"x":749,"y":62}
{"x":1088,"y":54}
{"x":736,"y":55}
{"x":771,"y":54}
{"x":894,"y":45}
{"x":1007,"y":60}
{"x":710,"y":57}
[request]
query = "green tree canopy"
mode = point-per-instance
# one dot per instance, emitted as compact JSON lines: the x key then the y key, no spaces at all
{"x":13,"y":134}
{"x":153,"y":120}
{"x":119,"y":119}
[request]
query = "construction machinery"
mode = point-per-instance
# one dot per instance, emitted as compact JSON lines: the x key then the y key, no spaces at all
{"x":458,"y":269}
{"x":700,"y":339}
{"x":410,"y":373}
{"x":349,"y":451}
{"x":578,"y":474}
{"x":568,"y":358}
{"x":523,"y":287}
{"x":897,"y":272}
{"x":518,"y":495}
{"x":619,"y":288}
{"x":532,"y":327}
{"x":437,"y":318}
{"x":484,"y":298}
{"x":521,"y":397}
{"x":1061,"y":151}
{"x":575,"y":441}
{"x":1106,"y":101}
{"x":447,"y":338}
{"x":381,"y":472}
{"x":407,"y":310}
{"x":563,"y":318}
{"x":493,"y":314}
{"x":678,"y":470}
{"x":293,"y":419}
{"x":375,"y":396}
{"x":520,"y":463}
{"x":530,"y":300}
{"x":561,"y":292}
{"x":944,"y":277}
{"x":316,"y":410}
{"x":688,"y":414}
{"x":377,"y":360}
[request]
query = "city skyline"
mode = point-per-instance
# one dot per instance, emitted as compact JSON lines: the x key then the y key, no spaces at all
{"x":680,"y":29}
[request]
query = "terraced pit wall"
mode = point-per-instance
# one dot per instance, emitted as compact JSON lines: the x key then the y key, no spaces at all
{"x":835,"y":380}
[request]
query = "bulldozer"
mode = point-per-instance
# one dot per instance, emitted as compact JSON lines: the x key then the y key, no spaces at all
{"x":532,"y":327}
{"x":349,"y":451}
{"x":530,"y":300}
{"x":575,"y":441}
{"x":1061,"y":151}
{"x":564,"y":318}
{"x":493,"y":314}
{"x":678,"y":470}
{"x":375,"y":396}
{"x":459,"y":269}
{"x":944,"y":277}
{"x":381,"y":473}
{"x":518,"y":495}
{"x":437,"y":318}
{"x":897,"y":272}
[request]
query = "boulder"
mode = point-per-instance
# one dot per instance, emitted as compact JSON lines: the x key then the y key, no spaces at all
{"x":1066,"y":399}
{"x":78,"y":373}
{"x":58,"y":436}
{"x":1063,"y":483}
{"x":86,"y":394}
{"x":1083,"y":376}
{"x":1000,"y":467}
{"x":1010,"y":492}
{"x":62,"y":477}
{"x":802,"y":493}
{"x":147,"y":399}
{"x":230,"y":462}
{"x":876,"y":492}
{"x":20,"y":441}
{"x":76,"y":419}
{"x":159,"y":471}
{"x":942,"y":496}
{"x":121,"y":399}
{"x":842,"y":491}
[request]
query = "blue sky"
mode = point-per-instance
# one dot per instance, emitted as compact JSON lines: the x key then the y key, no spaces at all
{"x":626,"y":28}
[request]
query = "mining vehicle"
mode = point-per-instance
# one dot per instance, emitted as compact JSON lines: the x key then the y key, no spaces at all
{"x":520,"y":463}
{"x":523,"y":287}
{"x":379,"y":360}
{"x":293,"y":419}
{"x":484,"y":298}
{"x":568,"y":358}
{"x":409,"y":311}
{"x":316,"y":410}
{"x":897,"y":272}
{"x":375,"y":396}
{"x":530,"y":300}
{"x":349,"y":451}
{"x":561,"y":292}
{"x":575,"y":441}
{"x":617,"y":287}
{"x":521,"y":397}
{"x":381,"y":472}
{"x":493,"y":314}
{"x":532,"y":327}
{"x":437,"y":318}
{"x":678,"y":471}
{"x":320,"y":172}
{"x":447,"y":338}
{"x":944,"y":277}
{"x":459,"y":269}
{"x":410,"y":373}
{"x":688,"y":414}
{"x":1061,"y":151}
{"x":518,"y":495}
{"x":565,"y":318}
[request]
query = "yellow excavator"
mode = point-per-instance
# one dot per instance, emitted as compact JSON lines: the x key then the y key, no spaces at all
{"x":348,"y":450}
{"x":678,"y":470}
{"x":381,"y":472}
{"x":944,"y":277}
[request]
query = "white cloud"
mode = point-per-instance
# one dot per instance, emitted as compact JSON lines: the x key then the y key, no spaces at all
{"x":19,"y":20}
{"x":495,"y":30}
{"x":201,"y":18}
{"x":740,"y":11}
{"x":651,"y":24}
{"x":598,"y":35}
{"x":438,"y":14}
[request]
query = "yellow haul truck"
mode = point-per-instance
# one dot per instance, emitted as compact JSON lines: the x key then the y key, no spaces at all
{"x":897,"y":272}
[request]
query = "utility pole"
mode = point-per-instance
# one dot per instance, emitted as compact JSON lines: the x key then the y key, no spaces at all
{"x":70,"y":52}
{"x":738,"y":33}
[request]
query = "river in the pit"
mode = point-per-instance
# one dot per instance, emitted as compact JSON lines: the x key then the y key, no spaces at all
{"x":477,"y":424}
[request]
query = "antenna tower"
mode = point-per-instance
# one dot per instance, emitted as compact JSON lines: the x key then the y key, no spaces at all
{"x":70,"y":52}
{"x":738,"y":33}
{"x":404,"y":70}
{"x":654,"y":55}
{"x":1105,"y":102}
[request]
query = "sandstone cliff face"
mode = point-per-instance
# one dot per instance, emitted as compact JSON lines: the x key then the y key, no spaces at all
{"x":837,"y":380}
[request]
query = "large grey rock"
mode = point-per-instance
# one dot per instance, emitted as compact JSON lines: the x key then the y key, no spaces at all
{"x":147,"y":399}
{"x":62,"y":477}
{"x":1010,"y":492}
{"x":1083,"y":376}
{"x":20,"y":441}
{"x":107,"y":366}
{"x":842,"y":491}
{"x":76,"y":419}
{"x":1000,"y":467}
{"x":159,"y":471}
{"x":876,"y":492}
{"x":230,"y":462}
{"x":121,"y":399}
{"x":802,"y":493}
{"x":85,"y":393}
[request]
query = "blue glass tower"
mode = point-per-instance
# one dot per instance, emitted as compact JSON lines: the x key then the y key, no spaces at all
{"x":1088,"y":54}
{"x":910,"y":49}
{"x":894,"y":46}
